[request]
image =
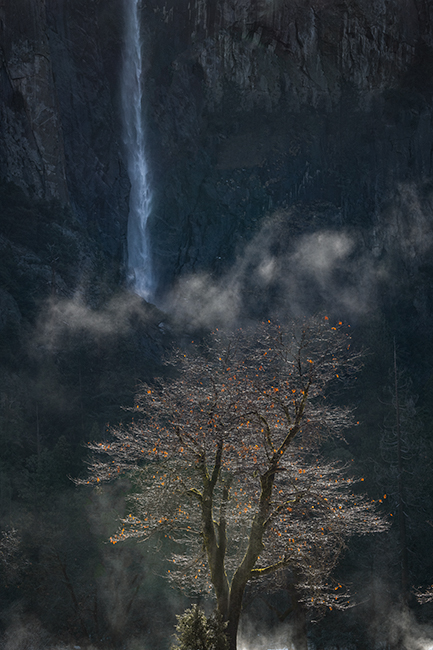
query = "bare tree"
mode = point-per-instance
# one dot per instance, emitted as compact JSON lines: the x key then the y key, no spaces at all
{"x":424,"y":596}
{"x":224,"y":459}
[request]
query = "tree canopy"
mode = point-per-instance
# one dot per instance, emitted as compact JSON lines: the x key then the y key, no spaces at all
{"x":224,"y":460}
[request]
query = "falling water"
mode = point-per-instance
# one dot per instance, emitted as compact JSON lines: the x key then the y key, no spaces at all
{"x":140,"y":199}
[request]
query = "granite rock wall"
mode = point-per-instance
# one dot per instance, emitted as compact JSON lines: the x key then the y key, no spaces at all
{"x":319,"y":112}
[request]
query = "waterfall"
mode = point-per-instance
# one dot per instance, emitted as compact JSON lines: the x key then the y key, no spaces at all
{"x":140,"y":273}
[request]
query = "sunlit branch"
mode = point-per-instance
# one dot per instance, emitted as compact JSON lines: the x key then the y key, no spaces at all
{"x":288,"y":502}
{"x":194,"y":492}
{"x":264,"y":571}
{"x":267,"y":431}
{"x":296,"y":427}
{"x":217,"y":464}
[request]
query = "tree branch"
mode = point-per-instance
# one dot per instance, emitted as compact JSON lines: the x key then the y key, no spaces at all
{"x":259,"y":573}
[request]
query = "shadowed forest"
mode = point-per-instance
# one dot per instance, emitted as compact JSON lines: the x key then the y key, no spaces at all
{"x":289,"y":237}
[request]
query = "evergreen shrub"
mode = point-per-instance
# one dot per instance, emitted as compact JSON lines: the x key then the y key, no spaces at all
{"x":197,"y":632}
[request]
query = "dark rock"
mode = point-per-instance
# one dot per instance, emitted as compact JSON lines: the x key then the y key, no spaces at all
{"x":10,"y":315}
{"x":253,"y":108}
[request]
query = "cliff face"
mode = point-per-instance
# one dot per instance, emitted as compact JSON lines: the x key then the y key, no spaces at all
{"x":59,"y":133}
{"x":32,"y":152}
{"x":257,"y":107}
{"x":290,"y":148}
{"x":317,"y":111}
{"x":85,"y":39}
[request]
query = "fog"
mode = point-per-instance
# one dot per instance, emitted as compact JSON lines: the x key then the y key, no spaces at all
{"x":283,"y":272}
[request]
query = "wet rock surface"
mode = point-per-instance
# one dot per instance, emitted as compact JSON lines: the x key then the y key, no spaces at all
{"x":257,"y":107}
{"x":252,"y":108}
{"x":59,"y":134}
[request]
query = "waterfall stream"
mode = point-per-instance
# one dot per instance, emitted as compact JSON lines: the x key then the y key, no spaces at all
{"x":140,"y":273}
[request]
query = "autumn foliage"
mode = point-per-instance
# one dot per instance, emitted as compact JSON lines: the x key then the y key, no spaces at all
{"x":225,"y":460}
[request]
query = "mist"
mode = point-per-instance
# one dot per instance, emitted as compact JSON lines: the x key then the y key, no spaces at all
{"x":281,"y":272}
{"x":350,"y":272}
{"x":274,"y":157}
{"x":61,"y":317}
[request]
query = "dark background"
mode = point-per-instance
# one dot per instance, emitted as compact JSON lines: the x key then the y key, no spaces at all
{"x":290,"y":150}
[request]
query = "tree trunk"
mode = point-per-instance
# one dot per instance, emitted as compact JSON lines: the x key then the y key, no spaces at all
{"x":243,"y":572}
{"x":299,"y":628}
{"x":232,"y":631}
{"x":234,"y":614}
